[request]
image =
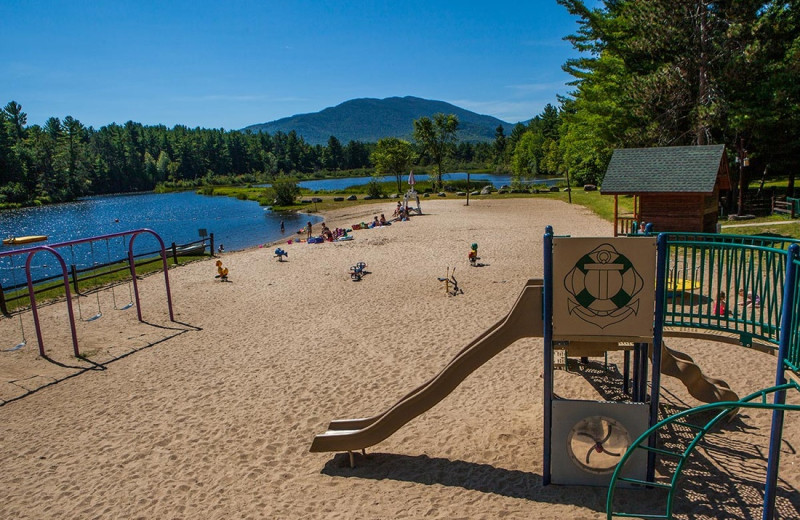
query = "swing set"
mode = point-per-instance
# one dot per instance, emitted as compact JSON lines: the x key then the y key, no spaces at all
{"x":133,"y":290}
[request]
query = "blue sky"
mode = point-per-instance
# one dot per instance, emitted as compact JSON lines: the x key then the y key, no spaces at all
{"x":234,"y":63}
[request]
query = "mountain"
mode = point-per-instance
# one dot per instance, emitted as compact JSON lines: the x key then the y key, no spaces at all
{"x":370,"y":119}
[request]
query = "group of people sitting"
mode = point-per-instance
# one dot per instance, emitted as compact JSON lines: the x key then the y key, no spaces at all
{"x":329,"y":235}
{"x":378,"y":222}
{"x":400,"y":212}
{"x":747,"y":299}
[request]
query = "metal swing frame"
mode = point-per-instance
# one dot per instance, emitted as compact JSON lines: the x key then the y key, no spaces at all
{"x":32,"y":251}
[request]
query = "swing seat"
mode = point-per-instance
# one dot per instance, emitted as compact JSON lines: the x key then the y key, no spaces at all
{"x":16,"y":347}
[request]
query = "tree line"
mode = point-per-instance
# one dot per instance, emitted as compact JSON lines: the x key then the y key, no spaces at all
{"x":650,"y":73}
{"x":671,"y":73}
{"x":64,"y":159}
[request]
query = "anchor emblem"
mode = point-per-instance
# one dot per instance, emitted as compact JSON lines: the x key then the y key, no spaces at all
{"x":604,"y":287}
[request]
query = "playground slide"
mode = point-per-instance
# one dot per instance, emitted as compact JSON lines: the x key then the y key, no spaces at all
{"x":524,"y":320}
{"x":701,"y":387}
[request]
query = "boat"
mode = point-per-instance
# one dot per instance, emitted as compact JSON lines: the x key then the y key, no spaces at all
{"x":193,"y":250}
{"x":10,"y":241}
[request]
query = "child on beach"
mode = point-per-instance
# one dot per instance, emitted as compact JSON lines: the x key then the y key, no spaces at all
{"x":308,"y":229}
{"x":719,"y":307}
{"x":749,"y":299}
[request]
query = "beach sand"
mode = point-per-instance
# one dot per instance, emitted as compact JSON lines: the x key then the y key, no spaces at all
{"x":212,"y":416}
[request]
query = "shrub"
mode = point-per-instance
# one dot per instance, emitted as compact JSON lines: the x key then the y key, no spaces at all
{"x":374,"y":189}
{"x":284,"y":190}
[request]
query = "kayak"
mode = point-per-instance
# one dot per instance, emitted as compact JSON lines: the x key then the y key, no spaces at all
{"x":24,"y":240}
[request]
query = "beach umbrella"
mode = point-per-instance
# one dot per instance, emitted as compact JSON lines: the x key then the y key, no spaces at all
{"x":411,"y":180}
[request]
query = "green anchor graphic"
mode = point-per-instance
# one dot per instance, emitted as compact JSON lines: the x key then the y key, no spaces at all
{"x":604,"y":286}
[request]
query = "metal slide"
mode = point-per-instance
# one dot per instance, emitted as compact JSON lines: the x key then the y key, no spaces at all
{"x":701,"y":387}
{"x":523,"y":321}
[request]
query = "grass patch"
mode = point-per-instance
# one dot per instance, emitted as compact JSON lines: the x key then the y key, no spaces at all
{"x":772,"y":225}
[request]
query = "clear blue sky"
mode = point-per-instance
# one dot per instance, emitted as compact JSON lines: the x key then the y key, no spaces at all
{"x":233,"y":63}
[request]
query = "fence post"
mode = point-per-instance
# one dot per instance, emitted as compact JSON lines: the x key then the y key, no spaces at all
{"x":212,"y":244}
{"x":174,"y":254}
{"x":74,"y":271}
{"x":3,"y":307}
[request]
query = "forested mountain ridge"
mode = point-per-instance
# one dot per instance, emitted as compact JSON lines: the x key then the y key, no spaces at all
{"x":370,"y":119}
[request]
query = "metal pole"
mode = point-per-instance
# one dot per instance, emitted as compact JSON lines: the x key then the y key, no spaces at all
{"x":3,"y":307}
{"x":776,"y":432}
{"x":637,"y":365}
{"x":548,"y":353}
{"x":658,"y":331}
{"x":742,"y":185}
{"x":75,"y":278}
{"x":32,"y":297}
{"x":164,"y":265}
{"x":626,"y":372}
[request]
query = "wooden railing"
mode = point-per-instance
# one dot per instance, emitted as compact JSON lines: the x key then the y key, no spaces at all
{"x":624,"y":225}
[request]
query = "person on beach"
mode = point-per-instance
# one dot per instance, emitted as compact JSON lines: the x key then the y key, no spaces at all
{"x":326,"y":232}
{"x":221,"y":248}
{"x":397,"y":210}
{"x":383,"y":220}
{"x":719,"y":307}
{"x":308,"y":229}
{"x":749,"y":299}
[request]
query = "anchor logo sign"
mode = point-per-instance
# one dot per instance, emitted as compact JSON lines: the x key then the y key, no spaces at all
{"x":603,"y":287}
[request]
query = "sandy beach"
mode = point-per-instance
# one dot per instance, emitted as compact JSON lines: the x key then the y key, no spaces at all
{"x":212,"y":416}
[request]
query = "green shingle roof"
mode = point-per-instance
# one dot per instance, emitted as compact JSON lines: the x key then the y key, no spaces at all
{"x":671,"y":169}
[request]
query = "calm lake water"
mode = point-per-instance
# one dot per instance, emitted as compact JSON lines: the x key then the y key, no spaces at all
{"x":176,"y":217}
{"x":340,"y":184}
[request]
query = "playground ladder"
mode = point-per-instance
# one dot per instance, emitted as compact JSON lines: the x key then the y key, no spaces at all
{"x":646,"y":442}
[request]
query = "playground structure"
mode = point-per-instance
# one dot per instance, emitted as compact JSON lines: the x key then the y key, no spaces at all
{"x":280,"y":254}
{"x":66,"y":280}
{"x":222,"y":272}
{"x":599,"y":434}
{"x":358,"y":271}
{"x":451,"y":287}
{"x":473,"y":254}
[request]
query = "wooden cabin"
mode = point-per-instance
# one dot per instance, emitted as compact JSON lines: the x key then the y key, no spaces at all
{"x":676,"y":188}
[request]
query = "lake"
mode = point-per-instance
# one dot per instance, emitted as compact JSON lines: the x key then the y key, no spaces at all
{"x":340,"y":184}
{"x":176,"y":217}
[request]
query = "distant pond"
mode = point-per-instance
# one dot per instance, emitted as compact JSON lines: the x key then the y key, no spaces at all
{"x":497,"y":180}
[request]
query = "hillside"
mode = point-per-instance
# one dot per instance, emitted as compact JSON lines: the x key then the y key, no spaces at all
{"x":369,"y":119}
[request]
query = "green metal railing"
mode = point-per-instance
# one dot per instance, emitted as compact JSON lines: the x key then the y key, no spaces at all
{"x":726,"y":283}
{"x":733,"y":284}
{"x":755,"y":400}
{"x":792,"y":361}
